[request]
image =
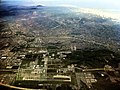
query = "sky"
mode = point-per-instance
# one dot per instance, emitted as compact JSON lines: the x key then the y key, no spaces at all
{"x":101,"y":4}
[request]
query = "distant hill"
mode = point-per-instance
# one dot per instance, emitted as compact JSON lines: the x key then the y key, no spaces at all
{"x":39,"y":6}
{"x":12,"y":10}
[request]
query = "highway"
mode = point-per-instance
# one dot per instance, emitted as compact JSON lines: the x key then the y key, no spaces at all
{"x":97,"y":69}
{"x":45,"y":67}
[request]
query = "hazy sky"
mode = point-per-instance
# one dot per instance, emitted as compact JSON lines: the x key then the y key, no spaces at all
{"x":109,"y":4}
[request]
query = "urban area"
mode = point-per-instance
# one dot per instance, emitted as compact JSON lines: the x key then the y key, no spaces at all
{"x":58,"y":49}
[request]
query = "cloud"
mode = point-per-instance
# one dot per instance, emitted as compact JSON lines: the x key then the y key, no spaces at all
{"x":68,"y":5}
